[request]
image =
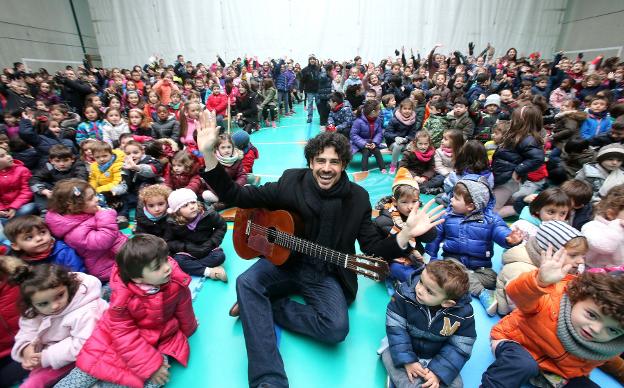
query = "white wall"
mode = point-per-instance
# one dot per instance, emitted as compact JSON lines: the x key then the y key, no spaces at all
{"x":592,"y":26}
{"x":128,"y":32}
{"x":44,"y":29}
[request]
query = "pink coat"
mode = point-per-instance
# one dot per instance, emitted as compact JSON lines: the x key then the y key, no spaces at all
{"x":606,"y":242}
{"x":95,"y":237}
{"x":62,"y":335}
{"x":128,"y":345}
{"x":15,"y":191}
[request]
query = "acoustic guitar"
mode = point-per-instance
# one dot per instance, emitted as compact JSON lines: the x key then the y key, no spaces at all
{"x":272,"y":235}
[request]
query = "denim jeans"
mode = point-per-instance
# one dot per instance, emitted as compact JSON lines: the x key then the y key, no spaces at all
{"x":309,"y":98}
{"x":197,"y":266}
{"x":399,"y":378}
{"x":282,"y":100}
{"x":262,"y":293}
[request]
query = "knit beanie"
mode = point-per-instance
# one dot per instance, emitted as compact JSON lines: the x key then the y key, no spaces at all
{"x":180,"y":197}
{"x":403,"y":177}
{"x":614,"y":150}
{"x":479,"y":192}
{"x":493,"y":99}
{"x":241,"y":140}
{"x":555,"y":233}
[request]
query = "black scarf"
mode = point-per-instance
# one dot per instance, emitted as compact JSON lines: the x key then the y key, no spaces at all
{"x":326,"y":205}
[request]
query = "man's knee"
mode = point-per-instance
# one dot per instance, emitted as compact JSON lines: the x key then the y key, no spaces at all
{"x":336,"y":328}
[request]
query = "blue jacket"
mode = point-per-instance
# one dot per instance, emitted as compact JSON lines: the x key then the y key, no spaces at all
{"x":62,"y":254}
{"x":595,"y":124}
{"x":42,"y":142}
{"x":386,"y":114}
{"x":342,"y":119}
{"x":414,"y":333}
{"x":361,"y":133}
{"x":469,"y":238}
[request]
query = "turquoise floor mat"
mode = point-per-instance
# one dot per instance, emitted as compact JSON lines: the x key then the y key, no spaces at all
{"x":218,"y":357}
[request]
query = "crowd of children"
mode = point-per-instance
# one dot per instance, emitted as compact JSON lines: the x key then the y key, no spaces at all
{"x":86,"y":151}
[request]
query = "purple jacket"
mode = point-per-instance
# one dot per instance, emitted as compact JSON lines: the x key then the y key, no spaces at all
{"x":95,"y":237}
{"x":361,"y":134}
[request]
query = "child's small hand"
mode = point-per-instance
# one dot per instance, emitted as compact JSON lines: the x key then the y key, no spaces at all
{"x":32,"y":359}
{"x":515,"y":237}
{"x":529,"y":198}
{"x":515,"y":177}
{"x":414,"y":370}
{"x":420,"y":179}
{"x":161,"y":376}
{"x":553,"y":268}
{"x":431,"y":380}
{"x":46,"y":193}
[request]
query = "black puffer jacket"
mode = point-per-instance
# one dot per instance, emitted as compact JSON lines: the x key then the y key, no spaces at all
{"x":310,"y":76}
{"x":145,"y":225}
{"x":525,"y":157}
{"x":47,"y":176}
{"x":325,"y":86}
{"x":208,"y":235}
{"x":169,"y":128}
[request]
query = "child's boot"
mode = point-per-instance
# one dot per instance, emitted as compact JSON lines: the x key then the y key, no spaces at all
{"x":489,"y":302}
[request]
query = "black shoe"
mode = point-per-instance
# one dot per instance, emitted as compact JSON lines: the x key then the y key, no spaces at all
{"x":234,"y":310}
{"x":309,"y":121}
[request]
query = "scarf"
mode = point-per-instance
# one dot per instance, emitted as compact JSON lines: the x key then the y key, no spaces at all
{"x":104,"y":167}
{"x":398,"y":222}
{"x":579,"y":347}
{"x":42,"y":255}
{"x":448,"y":152}
{"x":405,"y":121}
{"x":193,"y":224}
{"x":614,"y":178}
{"x":228,"y":161}
{"x":326,"y":205}
{"x":371,"y":126}
{"x":152,"y":217}
{"x":426,"y":156}
{"x":597,"y":115}
{"x":338,"y":107}
{"x":133,"y":128}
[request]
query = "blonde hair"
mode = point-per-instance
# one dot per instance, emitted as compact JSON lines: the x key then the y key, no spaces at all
{"x":153,"y":191}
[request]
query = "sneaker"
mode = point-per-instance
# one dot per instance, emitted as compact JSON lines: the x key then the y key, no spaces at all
{"x":489,"y":302}
{"x":384,"y":171}
{"x":288,"y":114}
{"x":216,"y":273}
{"x":122,"y":222}
{"x":392,"y":169}
{"x":292,"y":112}
{"x":309,"y":121}
{"x":273,"y":124}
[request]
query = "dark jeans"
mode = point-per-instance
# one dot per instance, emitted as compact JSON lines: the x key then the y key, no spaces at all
{"x":129,"y":201}
{"x":196,"y":267}
{"x":262,"y":293}
{"x":514,"y":367}
{"x":323,"y":110}
{"x":269,"y":110}
{"x":378,"y":157}
{"x":436,"y":181}
{"x":11,"y":372}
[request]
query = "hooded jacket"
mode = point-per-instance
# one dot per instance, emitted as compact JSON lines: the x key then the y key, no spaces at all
{"x":446,"y":337}
{"x":95,"y":237}
{"x":15,"y":192}
{"x":62,"y":335}
{"x":129,"y":342}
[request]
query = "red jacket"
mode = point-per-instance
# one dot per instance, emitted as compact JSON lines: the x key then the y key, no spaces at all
{"x":15,"y":191}
{"x":534,"y":326}
{"x":190,"y":181}
{"x":217,"y":103}
{"x":236,"y":172}
{"x":129,"y":342}
{"x":249,"y":158}
{"x":9,"y":317}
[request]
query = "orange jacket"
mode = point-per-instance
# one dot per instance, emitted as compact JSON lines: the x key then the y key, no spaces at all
{"x":534,"y":325}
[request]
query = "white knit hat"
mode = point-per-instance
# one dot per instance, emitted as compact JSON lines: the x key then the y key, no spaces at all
{"x":179,"y":198}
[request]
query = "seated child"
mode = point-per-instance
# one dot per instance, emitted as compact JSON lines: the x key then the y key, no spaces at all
{"x":606,"y":173}
{"x":106,"y":175}
{"x":149,"y":321}
{"x":437,"y":123}
{"x":62,"y":164}
{"x":452,"y":141}
{"x":605,"y":234}
{"x":250,"y":154}
{"x":11,"y":371}
{"x":391,"y":220}
{"x":469,"y":230}
{"x":527,"y":257}
{"x":366,"y":135}
{"x":165,"y":125}
{"x":114,"y":126}
{"x":92,"y":127}
{"x":496,"y":137}
{"x":426,"y":351}
{"x":75,"y":217}
{"x":31,"y":241}
{"x":184,"y":172}
{"x":151,"y":214}
{"x":231,"y":159}
{"x":598,"y":120}
{"x":487,"y":117}
{"x":561,"y":330}
{"x":340,"y":114}
{"x":389,"y":104}
{"x":194,"y":235}
{"x":16,"y":197}
{"x":460,"y":119}
{"x":418,"y":158}
{"x":138,"y":170}
{"x":551,"y":204}
{"x":400,"y":131}
{"x":60,"y":311}
{"x":580,"y":194}
{"x":471,"y":159}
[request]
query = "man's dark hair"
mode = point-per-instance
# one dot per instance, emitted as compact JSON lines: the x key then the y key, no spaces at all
{"x":138,"y":253}
{"x":339,"y":142}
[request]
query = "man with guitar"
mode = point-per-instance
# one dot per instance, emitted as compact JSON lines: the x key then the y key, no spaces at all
{"x":336,"y":213}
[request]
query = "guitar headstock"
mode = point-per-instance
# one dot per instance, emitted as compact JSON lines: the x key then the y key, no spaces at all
{"x":372,"y":267}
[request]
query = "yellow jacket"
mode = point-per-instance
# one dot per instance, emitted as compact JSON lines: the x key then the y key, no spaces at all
{"x":105,"y":181}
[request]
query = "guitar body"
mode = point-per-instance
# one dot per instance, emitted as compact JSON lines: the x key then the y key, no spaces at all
{"x":258,"y":243}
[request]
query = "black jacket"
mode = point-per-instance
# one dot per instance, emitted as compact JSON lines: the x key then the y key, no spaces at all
{"x":248,"y":106}
{"x":310,"y":76}
{"x":527,"y":156}
{"x":74,"y":92}
{"x":287,"y":193}
{"x":47,"y":176}
{"x":208,"y":235}
{"x":145,"y":225}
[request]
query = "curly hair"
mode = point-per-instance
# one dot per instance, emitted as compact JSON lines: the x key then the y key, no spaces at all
{"x":69,"y":196}
{"x":152,"y":191}
{"x":317,"y":145}
{"x":605,"y":289}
